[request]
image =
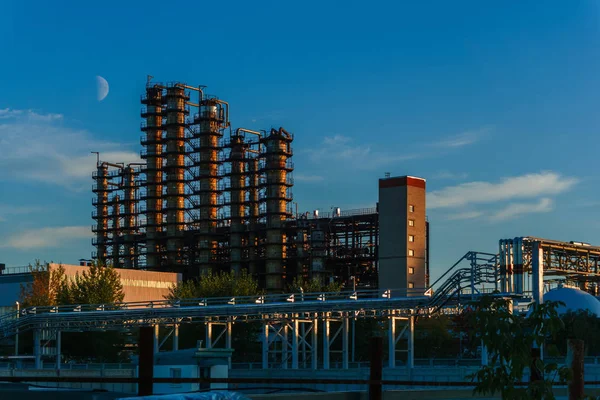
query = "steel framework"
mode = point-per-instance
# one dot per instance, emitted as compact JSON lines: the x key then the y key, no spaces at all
{"x":292,"y":323}
{"x":207,"y":200}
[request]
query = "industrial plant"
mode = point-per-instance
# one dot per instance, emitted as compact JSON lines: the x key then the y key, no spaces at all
{"x":211,"y":197}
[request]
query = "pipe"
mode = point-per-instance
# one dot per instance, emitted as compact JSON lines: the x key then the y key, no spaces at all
{"x":226,"y":111}
{"x":119,"y":165}
{"x":238,"y":130}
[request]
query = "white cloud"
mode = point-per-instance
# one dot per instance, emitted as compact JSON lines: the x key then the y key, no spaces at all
{"x":462,"y":139}
{"x":8,"y":113}
{"x":515,"y":209}
{"x":43,"y":150}
{"x":447,"y":175}
{"x":47,"y":237}
{"x":8,"y":210}
{"x":355,"y":155}
{"x":519,"y":187}
{"x":308,"y":178}
{"x":465,"y":215}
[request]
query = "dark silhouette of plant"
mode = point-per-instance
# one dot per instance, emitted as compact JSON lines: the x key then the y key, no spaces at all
{"x":509,"y":339}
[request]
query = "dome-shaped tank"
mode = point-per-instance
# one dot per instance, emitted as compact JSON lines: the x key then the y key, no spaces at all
{"x":574,"y":299}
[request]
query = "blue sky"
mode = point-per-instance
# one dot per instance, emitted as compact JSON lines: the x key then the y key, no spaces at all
{"x":494,"y":103}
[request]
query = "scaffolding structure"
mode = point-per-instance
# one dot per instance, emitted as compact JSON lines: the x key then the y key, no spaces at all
{"x":211,"y":198}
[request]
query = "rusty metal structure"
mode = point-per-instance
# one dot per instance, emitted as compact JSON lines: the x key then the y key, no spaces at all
{"x":208,"y":197}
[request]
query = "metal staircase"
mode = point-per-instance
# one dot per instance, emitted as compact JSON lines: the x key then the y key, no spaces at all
{"x":468,"y":281}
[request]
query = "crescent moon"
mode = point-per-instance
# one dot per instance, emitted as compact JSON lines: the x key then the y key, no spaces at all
{"x":102,"y":88}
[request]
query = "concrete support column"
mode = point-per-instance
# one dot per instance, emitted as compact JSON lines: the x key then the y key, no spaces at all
{"x":284,"y":345}
{"x":326,"y":343}
{"x":229,"y":334}
{"x":314,"y":343}
{"x":265,"y":346}
{"x":37,"y":350}
{"x":156,"y":342}
{"x":208,"y":335}
{"x":537,"y":272}
{"x":392,"y":343}
{"x":295,"y":335}
{"x":411,"y":342}
{"x":345,"y":328}
{"x":175,"y":337}
{"x":58,"y":348}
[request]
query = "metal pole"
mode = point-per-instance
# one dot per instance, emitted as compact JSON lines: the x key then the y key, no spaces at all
{"x":17,"y":330}
{"x":284,"y":346}
{"x":37,"y":351}
{"x":146,"y":361}
{"x":265,"y":346}
{"x":345,"y":325}
{"x":411,"y":342}
{"x":575,"y":361}
{"x":175,"y":337}
{"x":229,"y":333}
{"x":376,"y":373}
{"x":353,"y":323}
{"x":58,"y":348}
{"x":314,"y":343}
{"x":156,"y":342}
{"x":326,"y":343}
{"x":295,"y":343}
{"x":537,"y":266}
{"x":208,"y":335}
{"x":392,"y":342}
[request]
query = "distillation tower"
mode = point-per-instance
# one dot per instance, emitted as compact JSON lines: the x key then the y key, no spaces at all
{"x":211,"y":198}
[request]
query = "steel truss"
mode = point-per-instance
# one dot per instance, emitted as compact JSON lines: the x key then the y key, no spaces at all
{"x":292,"y":325}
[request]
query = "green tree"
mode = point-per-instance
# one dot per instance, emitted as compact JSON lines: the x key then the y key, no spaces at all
{"x":48,"y":282}
{"x":216,"y":285}
{"x":434,"y":338}
{"x":245,"y":336}
{"x":582,"y":325}
{"x":314,"y":285}
{"x":509,"y":339}
{"x":98,"y":285}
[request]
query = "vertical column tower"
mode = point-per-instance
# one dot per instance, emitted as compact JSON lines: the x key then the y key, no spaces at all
{"x":276,"y":168}
{"x":129,"y":216}
{"x":152,"y":141}
{"x":254,"y":214}
{"x":116,"y":231}
{"x":211,"y":119}
{"x":238,"y":205}
{"x":174,"y":168}
{"x":101,"y":214}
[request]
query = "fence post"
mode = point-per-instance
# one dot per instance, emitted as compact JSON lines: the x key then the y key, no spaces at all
{"x":146,"y":361}
{"x":575,"y":359}
{"x":375,"y":389}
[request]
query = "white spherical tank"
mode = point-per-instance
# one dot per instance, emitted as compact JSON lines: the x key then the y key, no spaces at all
{"x":574,"y":299}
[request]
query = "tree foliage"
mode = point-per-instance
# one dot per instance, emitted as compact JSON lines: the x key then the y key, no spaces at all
{"x":434,"y":338}
{"x":509,"y":339}
{"x":220,"y":284}
{"x":47,"y":284}
{"x":314,"y":285}
{"x":51,"y":286}
{"x":582,"y":325}
{"x":98,"y":285}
